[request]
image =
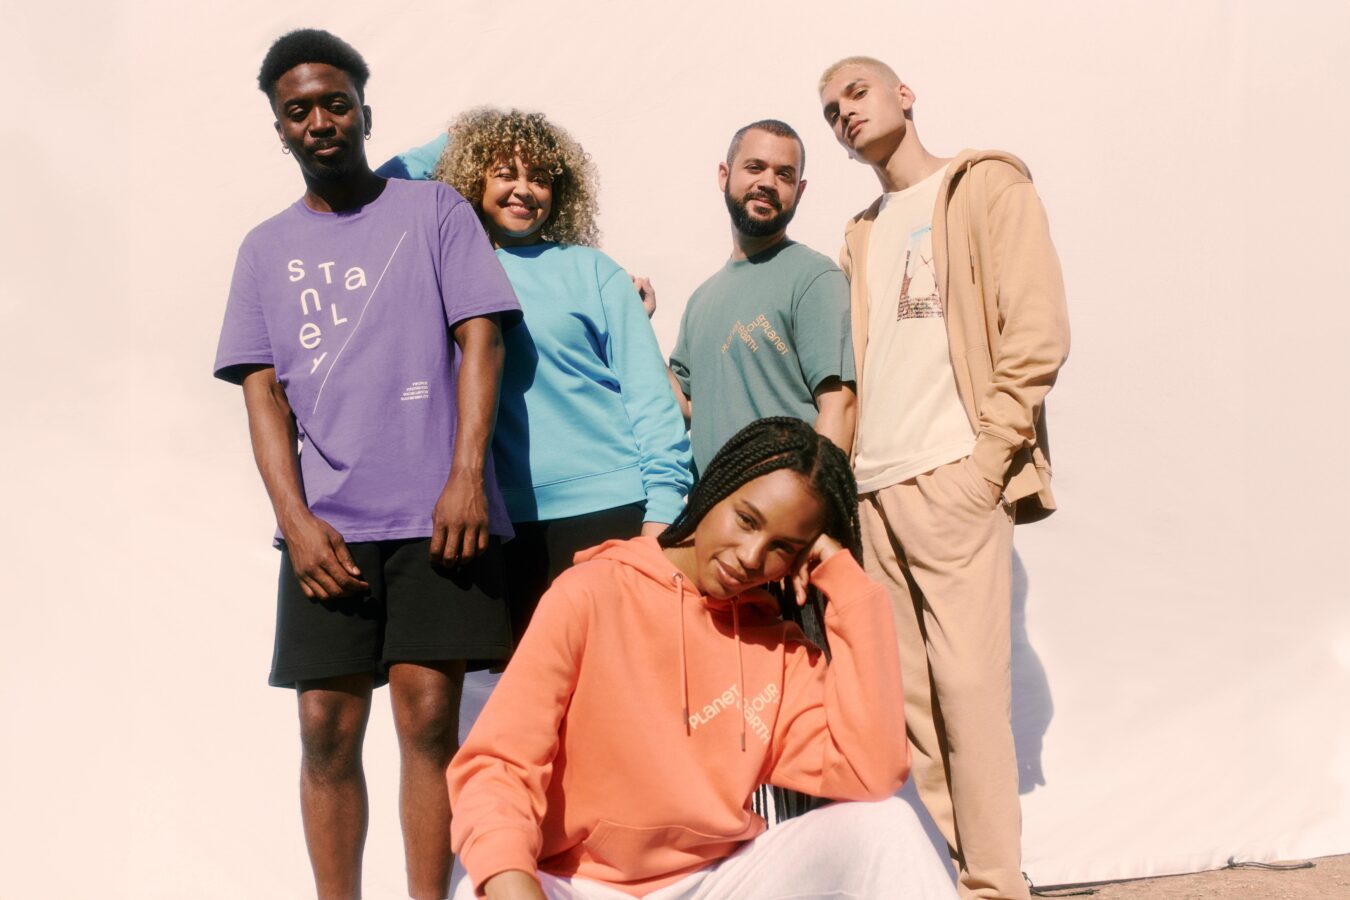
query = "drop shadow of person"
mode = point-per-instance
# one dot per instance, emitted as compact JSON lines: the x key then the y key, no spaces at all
{"x":1032,"y":707}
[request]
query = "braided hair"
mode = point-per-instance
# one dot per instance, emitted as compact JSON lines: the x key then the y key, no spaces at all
{"x":765,"y":446}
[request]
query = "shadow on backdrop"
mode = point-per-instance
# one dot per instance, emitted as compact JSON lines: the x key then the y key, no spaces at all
{"x":1032,"y":707}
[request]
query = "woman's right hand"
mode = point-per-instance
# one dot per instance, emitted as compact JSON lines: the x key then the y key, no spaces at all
{"x":513,"y":884}
{"x":822,"y":549}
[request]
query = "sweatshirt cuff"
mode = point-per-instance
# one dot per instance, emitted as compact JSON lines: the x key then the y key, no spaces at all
{"x":495,"y":852}
{"x":841,"y":579}
{"x":663,"y":505}
{"x":992,"y":457}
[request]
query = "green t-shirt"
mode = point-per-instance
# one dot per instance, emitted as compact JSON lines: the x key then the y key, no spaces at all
{"x":758,"y":338}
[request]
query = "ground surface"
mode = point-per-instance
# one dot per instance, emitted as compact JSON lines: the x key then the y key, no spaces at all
{"x":1329,"y":878}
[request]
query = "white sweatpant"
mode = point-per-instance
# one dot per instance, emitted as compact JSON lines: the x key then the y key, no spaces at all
{"x":845,"y":851}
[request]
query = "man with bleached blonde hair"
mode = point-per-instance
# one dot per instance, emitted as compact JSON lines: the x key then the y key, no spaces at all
{"x":959,"y":330}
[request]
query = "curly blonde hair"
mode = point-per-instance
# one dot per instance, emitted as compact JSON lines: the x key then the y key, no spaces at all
{"x":483,"y":137}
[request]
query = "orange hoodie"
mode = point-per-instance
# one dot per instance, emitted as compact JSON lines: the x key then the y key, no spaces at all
{"x":633,"y":724}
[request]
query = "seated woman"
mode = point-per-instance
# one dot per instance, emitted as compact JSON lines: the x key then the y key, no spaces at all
{"x":589,"y":443}
{"x":658,"y":687}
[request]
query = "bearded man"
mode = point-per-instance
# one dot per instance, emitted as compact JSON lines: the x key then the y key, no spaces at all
{"x":768,"y":334}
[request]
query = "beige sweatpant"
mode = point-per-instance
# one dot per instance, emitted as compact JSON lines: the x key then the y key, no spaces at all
{"x":942,"y":544}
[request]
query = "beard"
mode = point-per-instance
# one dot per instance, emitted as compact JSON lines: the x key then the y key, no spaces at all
{"x":751,"y":226}
{"x":332,"y":169}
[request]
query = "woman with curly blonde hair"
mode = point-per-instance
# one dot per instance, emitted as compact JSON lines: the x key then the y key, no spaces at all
{"x":589,"y":443}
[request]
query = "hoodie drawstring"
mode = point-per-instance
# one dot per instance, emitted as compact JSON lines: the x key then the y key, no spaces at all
{"x":678,"y":578}
{"x":740,"y":668}
{"x":970,"y":244}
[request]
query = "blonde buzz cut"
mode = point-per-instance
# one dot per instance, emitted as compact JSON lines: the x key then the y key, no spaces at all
{"x":865,"y":62}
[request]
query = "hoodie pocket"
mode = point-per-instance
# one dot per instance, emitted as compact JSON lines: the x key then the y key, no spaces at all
{"x":646,"y":852}
{"x":980,"y":369}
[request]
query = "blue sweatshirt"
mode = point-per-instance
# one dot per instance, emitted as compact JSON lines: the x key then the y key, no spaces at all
{"x":587,"y":420}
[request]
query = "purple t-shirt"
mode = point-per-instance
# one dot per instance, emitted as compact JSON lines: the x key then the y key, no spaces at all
{"x":354,"y":310}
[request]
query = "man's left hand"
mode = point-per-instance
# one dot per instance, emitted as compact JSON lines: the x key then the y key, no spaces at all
{"x":459,"y":524}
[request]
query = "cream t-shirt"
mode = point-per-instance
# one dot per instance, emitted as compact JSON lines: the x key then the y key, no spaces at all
{"x":911,"y":419}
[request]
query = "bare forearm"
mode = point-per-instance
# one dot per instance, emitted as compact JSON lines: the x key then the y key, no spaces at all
{"x":272,"y":431}
{"x":686,"y":406}
{"x":480,"y":374}
{"x":837,"y":412}
{"x":319,"y":557}
{"x":513,"y":884}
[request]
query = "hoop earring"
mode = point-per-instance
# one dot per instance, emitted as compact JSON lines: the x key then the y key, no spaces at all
{"x":286,"y":150}
{"x":367,"y":135}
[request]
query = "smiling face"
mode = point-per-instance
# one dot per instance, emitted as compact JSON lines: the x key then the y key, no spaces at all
{"x":756,"y":535}
{"x":867,"y":110}
{"x":517,"y":201}
{"x":763,"y":183}
{"x":319,"y":117}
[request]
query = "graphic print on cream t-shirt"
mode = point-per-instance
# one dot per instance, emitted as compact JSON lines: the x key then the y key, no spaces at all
{"x":911,"y":420}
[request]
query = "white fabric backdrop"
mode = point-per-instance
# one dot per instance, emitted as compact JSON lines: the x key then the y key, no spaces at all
{"x":1182,"y":631}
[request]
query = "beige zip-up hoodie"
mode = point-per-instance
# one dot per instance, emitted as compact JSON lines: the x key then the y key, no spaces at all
{"x":1003,"y":301}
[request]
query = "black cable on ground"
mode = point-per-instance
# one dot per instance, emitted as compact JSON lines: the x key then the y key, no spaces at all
{"x":1233,"y":863}
{"x":1057,"y":892}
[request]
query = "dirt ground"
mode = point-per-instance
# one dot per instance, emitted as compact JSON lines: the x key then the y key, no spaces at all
{"x":1328,"y":879}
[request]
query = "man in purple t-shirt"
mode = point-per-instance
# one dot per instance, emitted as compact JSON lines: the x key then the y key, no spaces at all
{"x":364,"y":323}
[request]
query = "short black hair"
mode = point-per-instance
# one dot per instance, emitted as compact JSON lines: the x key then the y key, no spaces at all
{"x":311,"y":45}
{"x":772,"y":126}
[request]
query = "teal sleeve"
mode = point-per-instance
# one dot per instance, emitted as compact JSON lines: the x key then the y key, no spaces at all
{"x":418,"y":163}
{"x":821,"y":329}
{"x":679,"y":357}
{"x":664,"y":457}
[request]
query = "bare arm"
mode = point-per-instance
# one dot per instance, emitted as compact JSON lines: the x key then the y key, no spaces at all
{"x":836,"y":412}
{"x":513,"y":884}
{"x":460,"y":519}
{"x":318,"y":554}
{"x":686,"y":405}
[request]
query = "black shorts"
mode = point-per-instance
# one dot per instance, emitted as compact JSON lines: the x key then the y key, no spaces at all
{"x":541,"y":551}
{"x":413,"y":613}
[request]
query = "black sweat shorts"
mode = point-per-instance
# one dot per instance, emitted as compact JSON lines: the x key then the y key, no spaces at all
{"x":541,"y":551}
{"x":413,"y":613}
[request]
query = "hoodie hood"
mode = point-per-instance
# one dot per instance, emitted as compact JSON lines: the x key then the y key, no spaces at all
{"x":967,"y":158}
{"x":958,"y":168}
{"x":644,"y":555}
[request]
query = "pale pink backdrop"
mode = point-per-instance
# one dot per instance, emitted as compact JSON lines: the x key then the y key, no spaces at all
{"x":1182,"y":626}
